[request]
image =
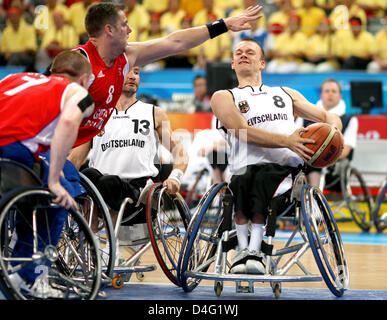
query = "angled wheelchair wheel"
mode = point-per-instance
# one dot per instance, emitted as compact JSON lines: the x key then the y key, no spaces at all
{"x":358,"y":198}
{"x":167,"y":219}
{"x":203,"y":234}
{"x":324,"y":239}
{"x":94,"y":209}
{"x":380,"y":208}
{"x":69,"y":270}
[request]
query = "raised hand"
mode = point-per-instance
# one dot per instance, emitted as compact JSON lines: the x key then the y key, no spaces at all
{"x":240,"y":22}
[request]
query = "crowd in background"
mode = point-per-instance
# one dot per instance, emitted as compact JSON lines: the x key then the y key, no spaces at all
{"x":298,"y":35}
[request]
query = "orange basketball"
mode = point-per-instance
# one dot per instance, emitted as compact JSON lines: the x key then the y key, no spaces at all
{"x":329,"y":144}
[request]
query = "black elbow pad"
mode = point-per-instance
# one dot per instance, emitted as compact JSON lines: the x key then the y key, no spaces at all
{"x":85,"y":102}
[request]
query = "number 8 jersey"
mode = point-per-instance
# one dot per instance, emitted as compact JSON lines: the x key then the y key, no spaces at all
{"x":127,"y":145}
{"x":267,"y":108}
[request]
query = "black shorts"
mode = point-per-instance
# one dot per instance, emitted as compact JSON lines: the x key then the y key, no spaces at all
{"x":253,"y":191}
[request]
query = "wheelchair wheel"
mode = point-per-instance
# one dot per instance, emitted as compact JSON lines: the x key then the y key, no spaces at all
{"x":380,"y":211}
{"x":167,"y":219}
{"x":202,"y":236}
{"x":71,"y":269}
{"x":358,"y":198}
{"x":96,"y":213}
{"x":324,"y":239}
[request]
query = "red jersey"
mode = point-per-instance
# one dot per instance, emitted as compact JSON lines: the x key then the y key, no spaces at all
{"x":105,"y":89}
{"x":30,"y":105}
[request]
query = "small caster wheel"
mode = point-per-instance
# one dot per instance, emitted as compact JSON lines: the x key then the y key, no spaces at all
{"x":218,"y":288}
{"x":277,"y":290}
{"x":140,"y":276}
{"x":117,"y":282}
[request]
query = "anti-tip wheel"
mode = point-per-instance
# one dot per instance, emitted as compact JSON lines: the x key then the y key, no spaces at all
{"x":117,"y":282}
{"x":218,"y":288}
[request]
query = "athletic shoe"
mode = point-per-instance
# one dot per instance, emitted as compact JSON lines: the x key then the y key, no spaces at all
{"x":254,"y":263}
{"x":239,"y":265}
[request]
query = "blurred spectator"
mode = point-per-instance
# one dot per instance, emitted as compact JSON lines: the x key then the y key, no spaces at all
{"x":58,"y":38}
{"x":155,"y":6}
{"x":260,"y":23}
{"x":279,"y":20}
{"x":201,"y":100}
{"x":373,"y":8}
{"x":216,"y":49}
{"x":379,"y":62}
{"x":326,"y":5}
{"x":185,"y":59}
{"x":320,"y":52}
{"x":191,"y":7}
{"x":297,"y":4}
{"x":311,"y":16}
{"x":44,"y":17}
{"x":357,"y":47}
{"x":138,"y":19}
{"x":18,"y":41}
{"x":77,"y":13}
{"x":343,"y":11}
{"x":171,"y":19}
{"x":153,"y":32}
{"x":289,"y":49}
{"x":227,"y":6}
{"x":201,"y":17}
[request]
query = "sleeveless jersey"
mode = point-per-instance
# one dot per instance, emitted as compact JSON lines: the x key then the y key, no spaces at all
{"x":105,"y":89}
{"x":25,"y":116}
{"x":267,"y":108}
{"x":127,"y":145}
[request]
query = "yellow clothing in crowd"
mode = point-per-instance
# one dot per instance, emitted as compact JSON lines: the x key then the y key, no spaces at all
{"x":210,"y":49}
{"x":319,"y":45}
{"x":138,"y":20}
{"x":381,"y":3}
{"x":381,"y":44}
{"x":170,"y":22}
{"x":76,"y":17}
{"x":290,"y":44}
{"x":202,"y":16}
{"x":66,"y":37}
{"x":155,"y":5}
{"x":347,"y":45}
{"x":191,"y":7}
{"x":310,"y":19}
{"x":44,"y":18}
{"x":19,"y":40}
{"x":227,"y":4}
{"x":279,"y":17}
{"x":340,"y":16}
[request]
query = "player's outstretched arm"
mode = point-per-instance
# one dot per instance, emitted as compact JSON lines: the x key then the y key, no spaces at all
{"x":141,"y":53}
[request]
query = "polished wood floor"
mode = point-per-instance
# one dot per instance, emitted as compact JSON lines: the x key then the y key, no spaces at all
{"x":367,"y":267}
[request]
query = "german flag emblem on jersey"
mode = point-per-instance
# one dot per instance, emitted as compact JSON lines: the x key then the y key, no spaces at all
{"x":101,"y":133}
{"x":243,"y":106}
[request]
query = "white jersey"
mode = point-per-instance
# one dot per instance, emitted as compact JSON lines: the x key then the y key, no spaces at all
{"x":127,"y":146}
{"x":267,"y":108}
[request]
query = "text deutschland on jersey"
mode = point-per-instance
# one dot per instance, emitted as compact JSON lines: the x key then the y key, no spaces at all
{"x":123,"y":144}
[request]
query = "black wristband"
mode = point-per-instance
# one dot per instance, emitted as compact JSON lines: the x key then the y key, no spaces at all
{"x":216,"y":28}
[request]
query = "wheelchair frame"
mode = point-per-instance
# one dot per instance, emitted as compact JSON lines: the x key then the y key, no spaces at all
{"x":74,"y":265}
{"x":353,"y":194}
{"x":209,"y":245}
{"x":379,"y":216}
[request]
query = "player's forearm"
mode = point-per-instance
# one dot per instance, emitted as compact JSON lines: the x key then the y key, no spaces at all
{"x":261,"y":138}
{"x":79,"y":154}
{"x":180,"y":158}
{"x":62,"y":142}
{"x":334,"y":120}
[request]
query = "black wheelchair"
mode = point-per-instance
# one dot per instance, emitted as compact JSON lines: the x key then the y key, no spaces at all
{"x":72,"y":268}
{"x":347,"y":192}
{"x":210,"y":238}
{"x":380,"y":208}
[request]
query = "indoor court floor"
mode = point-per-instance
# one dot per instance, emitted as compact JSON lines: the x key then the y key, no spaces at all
{"x":366,"y":257}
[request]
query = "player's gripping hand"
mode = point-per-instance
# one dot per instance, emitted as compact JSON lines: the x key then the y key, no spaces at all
{"x":296,"y":144}
{"x":62,"y":198}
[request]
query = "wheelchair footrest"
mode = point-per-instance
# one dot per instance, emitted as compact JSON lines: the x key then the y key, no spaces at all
{"x":132,"y":269}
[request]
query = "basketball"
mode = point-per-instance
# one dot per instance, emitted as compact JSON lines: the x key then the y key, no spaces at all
{"x":329,"y":144}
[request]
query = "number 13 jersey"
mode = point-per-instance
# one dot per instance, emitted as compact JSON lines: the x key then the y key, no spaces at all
{"x":267,"y":108}
{"x":127,"y":145}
